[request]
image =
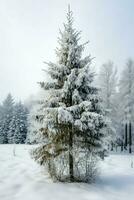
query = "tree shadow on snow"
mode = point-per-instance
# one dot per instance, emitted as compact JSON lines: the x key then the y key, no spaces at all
{"x":117,"y":181}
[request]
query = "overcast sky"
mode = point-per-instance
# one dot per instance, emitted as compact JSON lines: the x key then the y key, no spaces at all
{"x":29,"y":31}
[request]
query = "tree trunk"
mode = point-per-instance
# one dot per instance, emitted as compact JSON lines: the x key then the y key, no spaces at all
{"x":71,"y":173}
{"x":126,"y":142}
{"x":116,"y":147}
{"x":130,"y":138}
{"x":122,"y":145}
{"x":112,"y":146}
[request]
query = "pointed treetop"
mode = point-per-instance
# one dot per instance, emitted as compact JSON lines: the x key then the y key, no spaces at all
{"x":8,"y":99}
{"x":69,"y":16}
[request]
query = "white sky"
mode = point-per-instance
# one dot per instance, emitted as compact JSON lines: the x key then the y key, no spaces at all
{"x":29,"y":31}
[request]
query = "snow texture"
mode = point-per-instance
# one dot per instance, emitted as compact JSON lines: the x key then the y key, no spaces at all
{"x":21,"y":178}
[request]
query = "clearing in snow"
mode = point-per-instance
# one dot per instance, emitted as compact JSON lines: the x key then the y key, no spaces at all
{"x":22,"y":179}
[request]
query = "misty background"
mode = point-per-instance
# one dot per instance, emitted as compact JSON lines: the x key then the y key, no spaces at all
{"x":29,"y":31}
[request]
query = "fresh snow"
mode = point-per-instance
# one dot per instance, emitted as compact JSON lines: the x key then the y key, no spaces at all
{"x":22,"y":179}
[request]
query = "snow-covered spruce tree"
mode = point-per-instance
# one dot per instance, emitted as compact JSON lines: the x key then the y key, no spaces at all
{"x":72,"y":119}
{"x":107,"y":81}
{"x":1,"y":132}
{"x":18,"y":125}
{"x":33,"y":125}
{"x":6,"y":117}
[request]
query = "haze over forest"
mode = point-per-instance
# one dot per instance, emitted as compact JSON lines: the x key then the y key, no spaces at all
{"x":29,"y":31}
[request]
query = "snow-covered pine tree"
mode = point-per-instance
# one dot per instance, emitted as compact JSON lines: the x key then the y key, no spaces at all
{"x":18,"y":125}
{"x":6,"y":117}
{"x":72,"y":119}
{"x":1,"y":133}
{"x":107,"y":81}
{"x":33,"y":125}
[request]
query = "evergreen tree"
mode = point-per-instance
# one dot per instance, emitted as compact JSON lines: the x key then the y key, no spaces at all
{"x":33,"y":126}
{"x":71,"y":116}
{"x":6,"y":117}
{"x":1,"y":132}
{"x":18,"y":125}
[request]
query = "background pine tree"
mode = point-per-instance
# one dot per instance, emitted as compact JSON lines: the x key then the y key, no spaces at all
{"x":6,"y":117}
{"x":18,"y":126}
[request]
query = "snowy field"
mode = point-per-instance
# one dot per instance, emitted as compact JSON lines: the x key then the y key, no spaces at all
{"x":22,"y":179}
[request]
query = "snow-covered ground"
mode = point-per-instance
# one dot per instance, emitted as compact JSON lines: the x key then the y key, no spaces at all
{"x":22,"y":179}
